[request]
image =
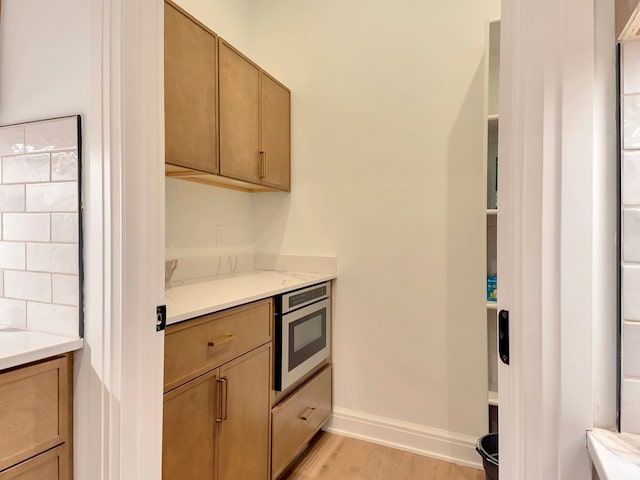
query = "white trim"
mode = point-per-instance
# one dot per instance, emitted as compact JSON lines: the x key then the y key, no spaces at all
{"x":431,"y":442}
{"x":553,"y":141}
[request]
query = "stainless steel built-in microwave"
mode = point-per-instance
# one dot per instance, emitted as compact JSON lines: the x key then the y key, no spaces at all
{"x":302,"y":333}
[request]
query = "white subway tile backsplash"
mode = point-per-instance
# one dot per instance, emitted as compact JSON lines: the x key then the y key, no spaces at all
{"x":66,"y":289}
{"x":64,"y":227}
{"x":631,"y":235}
{"x":629,"y":413}
{"x":60,"y":319}
{"x":630,"y":351}
{"x":28,"y":285}
{"x":631,"y":121}
{"x":630,"y":289}
{"x":12,"y":198}
{"x":13,"y":312}
{"x":26,"y":168}
{"x":34,"y":227}
{"x":39,"y":220}
{"x":52,"y":257}
{"x":12,"y":140}
{"x":59,"y":134}
{"x":631,"y":178}
{"x":12,"y":255}
{"x":52,"y":197}
{"x":64,"y":166}
{"x":631,"y":67}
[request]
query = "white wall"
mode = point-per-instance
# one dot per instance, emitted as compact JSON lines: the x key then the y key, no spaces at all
{"x":387,"y":175}
{"x":45,"y":59}
{"x":387,"y":106}
{"x":45,"y":63}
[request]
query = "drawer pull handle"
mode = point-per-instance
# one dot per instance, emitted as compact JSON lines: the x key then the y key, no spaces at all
{"x":221,"y":341}
{"x":306,"y":415}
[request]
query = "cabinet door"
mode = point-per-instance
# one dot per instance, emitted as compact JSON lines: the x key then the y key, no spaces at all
{"x":244,"y":432}
{"x":35,"y":409}
{"x":190,"y":93}
{"x":276,"y":133}
{"x":239,"y":115}
{"x":189,"y":425}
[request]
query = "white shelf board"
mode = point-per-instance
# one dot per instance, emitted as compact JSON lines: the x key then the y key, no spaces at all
{"x":493,"y":398}
{"x":492,"y":305}
{"x":493,"y":117}
{"x":492,"y":211}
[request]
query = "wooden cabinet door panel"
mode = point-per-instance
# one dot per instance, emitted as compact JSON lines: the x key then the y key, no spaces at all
{"x":189,"y":425}
{"x":35,"y":408}
{"x":50,"y":465}
{"x":244,"y":433}
{"x":190,"y":93}
{"x":239,"y":115}
{"x":276,"y":133}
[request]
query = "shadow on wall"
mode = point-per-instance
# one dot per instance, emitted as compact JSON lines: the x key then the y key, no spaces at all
{"x":465,"y":326}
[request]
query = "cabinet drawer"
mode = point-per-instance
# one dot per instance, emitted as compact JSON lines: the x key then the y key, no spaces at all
{"x":298,"y":418}
{"x":35,"y":409}
{"x":50,"y":465}
{"x":196,"y":346}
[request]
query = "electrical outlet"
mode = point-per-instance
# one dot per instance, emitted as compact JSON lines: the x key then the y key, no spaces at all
{"x":219,"y":236}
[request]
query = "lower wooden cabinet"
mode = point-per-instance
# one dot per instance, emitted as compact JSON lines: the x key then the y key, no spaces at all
{"x":52,"y":464}
{"x":36,"y":420}
{"x":189,"y":429}
{"x":216,"y":425}
{"x":298,"y":418}
{"x":243,"y":434}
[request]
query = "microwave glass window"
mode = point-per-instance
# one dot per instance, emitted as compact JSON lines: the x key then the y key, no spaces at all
{"x":307,"y":332}
{"x":307,"y":336}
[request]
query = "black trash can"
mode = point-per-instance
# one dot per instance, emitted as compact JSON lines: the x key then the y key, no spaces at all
{"x":487,"y":447}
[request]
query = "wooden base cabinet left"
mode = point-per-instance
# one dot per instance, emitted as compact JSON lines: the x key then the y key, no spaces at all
{"x":36,"y":412}
{"x":216,"y":421}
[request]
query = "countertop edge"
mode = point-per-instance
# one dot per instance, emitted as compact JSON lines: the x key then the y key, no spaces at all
{"x":65,"y":345}
{"x":213,"y":308}
{"x":609,"y":465}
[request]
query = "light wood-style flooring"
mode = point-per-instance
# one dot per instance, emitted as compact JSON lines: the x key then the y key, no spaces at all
{"x":333,"y":457}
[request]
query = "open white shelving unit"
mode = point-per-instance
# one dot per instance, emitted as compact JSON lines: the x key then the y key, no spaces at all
{"x":492,"y":119}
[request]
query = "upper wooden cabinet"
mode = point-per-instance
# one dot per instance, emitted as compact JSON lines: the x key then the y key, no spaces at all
{"x":627,"y":21}
{"x":276,"y":132}
{"x":227,"y":122}
{"x":190,"y":96}
{"x":255,"y":122}
{"x":239,"y":115}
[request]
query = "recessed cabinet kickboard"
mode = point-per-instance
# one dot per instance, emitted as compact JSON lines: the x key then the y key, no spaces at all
{"x":227,"y":121}
{"x":222,"y":417}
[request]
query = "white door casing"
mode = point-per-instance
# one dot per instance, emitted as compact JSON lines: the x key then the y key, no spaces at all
{"x":555,"y":132}
{"x":119,"y":422}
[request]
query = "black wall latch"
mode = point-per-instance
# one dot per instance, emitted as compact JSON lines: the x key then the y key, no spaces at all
{"x":161,"y":317}
{"x":503,"y":336}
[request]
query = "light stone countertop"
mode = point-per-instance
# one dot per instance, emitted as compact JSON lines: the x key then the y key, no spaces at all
{"x":189,"y":301}
{"x":19,"y":346}
{"x":616,"y":456}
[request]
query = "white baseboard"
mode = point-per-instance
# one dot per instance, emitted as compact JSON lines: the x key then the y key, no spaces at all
{"x":431,"y":442}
